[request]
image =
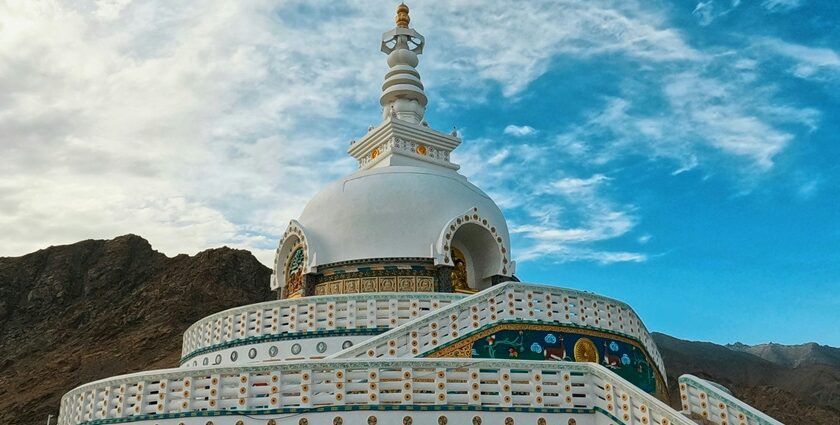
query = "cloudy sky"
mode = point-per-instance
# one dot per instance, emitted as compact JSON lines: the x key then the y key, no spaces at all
{"x":679,"y":155}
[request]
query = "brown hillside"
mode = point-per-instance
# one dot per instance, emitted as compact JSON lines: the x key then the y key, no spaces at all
{"x":77,"y":313}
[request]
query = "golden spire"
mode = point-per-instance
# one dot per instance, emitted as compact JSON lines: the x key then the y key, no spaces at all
{"x":402,"y":16}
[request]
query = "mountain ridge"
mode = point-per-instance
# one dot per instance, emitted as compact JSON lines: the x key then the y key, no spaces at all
{"x":792,"y":355}
{"x":809,"y":394}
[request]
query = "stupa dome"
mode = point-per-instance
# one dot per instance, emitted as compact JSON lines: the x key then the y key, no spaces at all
{"x":396,"y":211}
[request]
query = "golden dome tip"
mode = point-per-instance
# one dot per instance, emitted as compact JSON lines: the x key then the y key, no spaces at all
{"x":402,"y":16}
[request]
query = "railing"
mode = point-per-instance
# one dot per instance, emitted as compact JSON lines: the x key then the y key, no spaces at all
{"x":261,"y":322}
{"x":508,"y":301}
{"x":708,"y":401}
{"x":327,"y":386}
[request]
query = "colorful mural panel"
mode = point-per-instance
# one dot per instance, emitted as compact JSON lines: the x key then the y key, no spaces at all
{"x":623,"y":358}
{"x":294,"y":272}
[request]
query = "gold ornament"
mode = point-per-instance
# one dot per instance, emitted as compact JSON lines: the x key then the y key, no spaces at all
{"x":585,"y":351}
{"x":402,"y":16}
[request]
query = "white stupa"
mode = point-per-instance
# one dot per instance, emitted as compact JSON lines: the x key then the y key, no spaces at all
{"x":398,"y":304}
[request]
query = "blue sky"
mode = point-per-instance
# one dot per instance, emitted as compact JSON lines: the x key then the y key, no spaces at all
{"x":678,"y":155}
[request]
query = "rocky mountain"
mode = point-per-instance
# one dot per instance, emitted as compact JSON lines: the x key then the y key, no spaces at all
{"x":77,"y":313}
{"x":792,"y":355}
{"x":807,"y":394}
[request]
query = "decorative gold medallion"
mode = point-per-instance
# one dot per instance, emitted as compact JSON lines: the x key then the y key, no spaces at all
{"x":374,"y":153}
{"x":585,"y":351}
{"x":422,"y":150}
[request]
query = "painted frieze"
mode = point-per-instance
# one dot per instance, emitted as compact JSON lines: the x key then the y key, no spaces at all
{"x":517,"y":341}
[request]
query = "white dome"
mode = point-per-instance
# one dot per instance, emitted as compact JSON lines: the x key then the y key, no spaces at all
{"x":395,"y":211}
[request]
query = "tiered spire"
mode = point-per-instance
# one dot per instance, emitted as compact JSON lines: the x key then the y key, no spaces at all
{"x":402,"y":92}
{"x":403,"y":138}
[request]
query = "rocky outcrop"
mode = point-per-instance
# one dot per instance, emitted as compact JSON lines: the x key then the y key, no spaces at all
{"x":77,"y":313}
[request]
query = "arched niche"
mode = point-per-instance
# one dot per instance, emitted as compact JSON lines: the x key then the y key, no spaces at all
{"x":479,"y":250}
{"x":291,"y":262}
{"x":482,"y":247}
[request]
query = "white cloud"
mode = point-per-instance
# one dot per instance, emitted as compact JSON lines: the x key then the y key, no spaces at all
{"x":565,"y":253}
{"x":570,"y":186}
{"x":152,"y":119}
{"x":745,"y":64}
{"x":493,"y":45}
{"x":519,"y":131}
{"x":708,"y":11}
{"x":704,"y":12}
{"x":809,"y":62}
{"x":781,"y":5}
{"x":110,"y":9}
{"x":705,"y":120}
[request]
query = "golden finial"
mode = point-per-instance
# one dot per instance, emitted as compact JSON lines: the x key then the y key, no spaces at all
{"x":402,"y":16}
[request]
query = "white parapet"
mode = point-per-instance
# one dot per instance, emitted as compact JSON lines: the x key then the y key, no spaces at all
{"x":708,"y":401}
{"x":307,"y":322}
{"x":320,"y":391}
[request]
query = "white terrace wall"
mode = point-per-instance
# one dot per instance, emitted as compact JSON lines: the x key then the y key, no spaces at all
{"x":300,"y":328}
{"x":508,"y":301}
{"x":319,"y":391}
{"x":707,"y":401}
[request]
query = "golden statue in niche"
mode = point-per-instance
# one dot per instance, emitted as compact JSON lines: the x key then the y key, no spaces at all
{"x":459,"y":273}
